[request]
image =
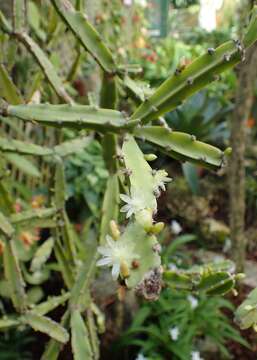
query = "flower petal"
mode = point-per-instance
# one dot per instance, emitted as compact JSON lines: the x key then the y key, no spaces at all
{"x":104,"y":250}
{"x":115,"y":270}
{"x":104,"y":261}
{"x":129,"y":213}
{"x":110,"y":241}
{"x":125,"y":198}
{"x":125,"y":208}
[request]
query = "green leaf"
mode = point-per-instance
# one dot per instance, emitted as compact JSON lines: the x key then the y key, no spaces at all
{"x":246,"y":313}
{"x":46,"y":326}
{"x":217,"y":283}
{"x":177,"y":280}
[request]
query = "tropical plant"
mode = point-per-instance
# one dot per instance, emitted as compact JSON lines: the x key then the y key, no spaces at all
{"x":179,"y":325}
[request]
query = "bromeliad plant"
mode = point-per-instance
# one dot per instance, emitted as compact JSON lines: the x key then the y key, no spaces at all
{"x":133,"y":253}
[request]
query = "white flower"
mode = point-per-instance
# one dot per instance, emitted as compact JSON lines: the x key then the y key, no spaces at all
{"x":116,"y":253}
{"x":175,"y":227}
{"x":141,"y":357}
{"x":134,"y":204}
{"x":195,"y":355}
{"x":160,"y":178}
{"x":174,"y":333}
{"x":172,"y":267}
{"x":127,"y":2}
{"x":193,"y":301}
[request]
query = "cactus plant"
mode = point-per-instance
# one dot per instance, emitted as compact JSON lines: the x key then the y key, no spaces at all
{"x":133,"y":251}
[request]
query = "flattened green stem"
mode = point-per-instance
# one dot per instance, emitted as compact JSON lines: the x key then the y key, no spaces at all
{"x":54,"y":347}
{"x":86,"y":34}
{"x":46,"y":326}
{"x":110,"y":207}
{"x":4,"y":24}
{"x":13,"y":275}
{"x":19,"y":15}
{"x":197,"y":75}
{"x":8,"y":90}
{"x":182,"y":146}
{"x":46,"y":66}
{"x":71,"y":116}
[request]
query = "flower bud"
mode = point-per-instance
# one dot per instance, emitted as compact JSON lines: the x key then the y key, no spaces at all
{"x":228,"y":151}
{"x":150,"y":157}
{"x":239,"y":276}
{"x":144,"y":218}
{"x":2,"y":246}
{"x":157,"y":228}
{"x":115,"y":232}
{"x":124,"y":269}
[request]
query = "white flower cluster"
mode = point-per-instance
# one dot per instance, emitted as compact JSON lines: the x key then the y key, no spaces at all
{"x":160,"y":177}
{"x":134,"y":204}
{"x":174,"y":333}
{"x":195,"y":355}
{"x":116,"y":254}
{"x":141,"y":357}
{"x":193,"y":301}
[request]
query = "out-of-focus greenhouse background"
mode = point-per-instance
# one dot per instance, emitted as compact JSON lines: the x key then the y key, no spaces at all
{"x":210,"y":216}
